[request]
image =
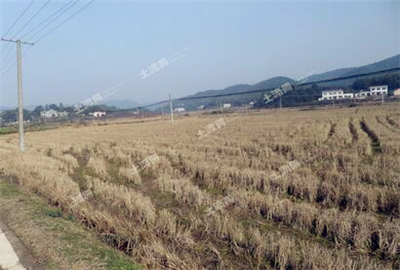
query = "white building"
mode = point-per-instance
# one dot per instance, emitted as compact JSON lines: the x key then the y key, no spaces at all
{"x":52,"y":113}
{"x":97,"y":114}
{"x":379,"y":90}
{"x":200,"y":107}
{"x":335,"y":94}
{"x":397,"y":92}
{"x":362,"y":94}
{"x":62,"y":114}
{"x":179,"y":110}
{"x":373,"y":91}
{"x":226,"y":105}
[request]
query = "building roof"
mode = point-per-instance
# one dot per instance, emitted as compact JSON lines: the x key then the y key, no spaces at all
{"x":378,"y":86}
{"x":363,"y":92}
{"x":330,"y":91}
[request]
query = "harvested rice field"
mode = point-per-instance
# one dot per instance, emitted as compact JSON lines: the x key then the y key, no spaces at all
{"x":269,"y":189}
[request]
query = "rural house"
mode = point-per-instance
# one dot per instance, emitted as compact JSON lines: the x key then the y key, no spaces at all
{"x":97,"y":114}
{"x":52,"y":113}
{"x":335,"y":94}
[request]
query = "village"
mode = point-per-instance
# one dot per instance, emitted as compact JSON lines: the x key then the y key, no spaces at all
{"x":373,"y":91}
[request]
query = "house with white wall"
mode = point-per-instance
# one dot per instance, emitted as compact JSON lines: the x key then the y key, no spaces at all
{"x":226,"y":105}
{"x":97,"y":114}
{"x":52,"y":113}
{"x":362,"y":94}
{"x":379,"y":90}
{"x":373,"y":91}
{"x":179,"y":110}
{"x":335,"y":94}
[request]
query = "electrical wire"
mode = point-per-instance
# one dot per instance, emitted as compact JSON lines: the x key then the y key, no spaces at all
{"x":19,"y":17}
{"x":67,"y":7}
{"x":65,"y":21}
{"x":22,"y":28}
{"x":3,"y":51}
{"x":270,"y":89}
{"x":58,"y":26}
{"x":33,"y":17}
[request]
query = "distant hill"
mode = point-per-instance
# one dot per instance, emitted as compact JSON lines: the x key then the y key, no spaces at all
{"x":327,"y":75}
{"x":388,"y":63}
{"x":236,"y":100}
{"x":121,"y":104}
{"x":306,"y":95}
{"x":26,"y":107}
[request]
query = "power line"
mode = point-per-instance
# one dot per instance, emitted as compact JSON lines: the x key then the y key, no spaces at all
{"x":23,"y":27}
{"x":3,"y":51}
{"x":12,"y":64}
{"x":19,"y":17}
{"x":73,"y":3}
{"x":56,"y":13}
{"x":8,"y":67}
{"x":270,"y":89}
{"x":58,"y":26}
{"x":7,"y":56}
{"x":47,"y":19}
{"x":349,"y":77}
{"x":301,"y":84}
{"x":65,"y":21}
{"x":33,"y":17}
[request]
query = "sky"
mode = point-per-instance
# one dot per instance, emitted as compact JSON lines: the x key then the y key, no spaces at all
{"x":142,"y":50}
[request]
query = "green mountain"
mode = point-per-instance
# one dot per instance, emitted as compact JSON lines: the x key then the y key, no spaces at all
{"x":388,"y":63}
{"x":301,"y":95}
{"x":122,"y":104}
{"x":235,"y":100}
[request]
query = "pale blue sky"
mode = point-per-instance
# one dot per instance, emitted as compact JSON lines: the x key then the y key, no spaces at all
{"x":229,"y":43}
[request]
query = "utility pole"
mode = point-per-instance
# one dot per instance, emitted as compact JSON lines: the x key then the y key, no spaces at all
{"x":382,"y":94}
{"x":20,"y":104}
{"x":170,"y":106}
{"x":280,"y":102}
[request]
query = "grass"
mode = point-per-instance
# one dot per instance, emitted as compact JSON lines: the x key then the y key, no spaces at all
{"x":75,"y":245}
{"x":7,"y":130}
{"x":315,"y":216}
{"x":14,"y":129}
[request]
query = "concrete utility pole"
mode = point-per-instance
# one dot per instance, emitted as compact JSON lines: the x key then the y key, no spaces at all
{"x":170,"y":106}
{"x":280,"y":102}
{"x":20,"y":104}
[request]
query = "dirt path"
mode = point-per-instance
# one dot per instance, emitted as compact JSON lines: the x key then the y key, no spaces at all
{"x":13,"y":254}
{"x":46,"y":239}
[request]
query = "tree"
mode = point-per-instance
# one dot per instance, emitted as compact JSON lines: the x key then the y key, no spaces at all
{"x":391,"y":80}
{"x":11,"y":115}
{"x":54,"y":107}
{"x":69,"y":109}
{"x":360,"y":84}
{"x":37,"y":110}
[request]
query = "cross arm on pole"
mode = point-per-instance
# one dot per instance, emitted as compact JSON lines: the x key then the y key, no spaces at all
{"x":22,"y":42}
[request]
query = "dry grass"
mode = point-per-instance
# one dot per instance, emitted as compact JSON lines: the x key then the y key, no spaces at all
{"x":338,"y":208}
